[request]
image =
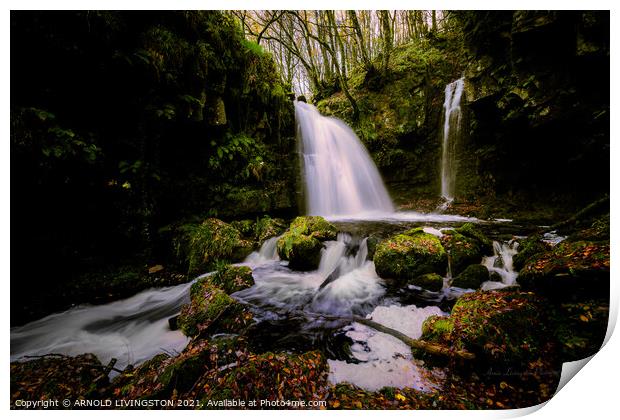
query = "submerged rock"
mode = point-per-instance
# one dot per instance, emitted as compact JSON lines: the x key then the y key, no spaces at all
{"x":301,"y":244}
{"x":213,"y":310}
{"x":405,"y":256}
{"x":500,"y":327}
{"x":472,"y":277}
{"x":571,"y":268}
{"x":201,"y":246}
{"x":431,"y":281}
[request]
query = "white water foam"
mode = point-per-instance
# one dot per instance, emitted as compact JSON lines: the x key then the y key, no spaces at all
{"x":385,"y":360}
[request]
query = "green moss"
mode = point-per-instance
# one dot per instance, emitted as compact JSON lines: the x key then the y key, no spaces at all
{"x":472,"y":277}
{"x":501,"y":327}
{"x":437,"y":328}
{"x":409,"y":255}
{"x":463,"y":251}
{"x":471,"y":231}
{"x":430,"y":281}
{"x":245,"y":227}
{"x":267,"y":227}
{"x":212,"y":309}
{"x":301,"y":243}
{"x":231,"y":278}
{"x":209,"y":242}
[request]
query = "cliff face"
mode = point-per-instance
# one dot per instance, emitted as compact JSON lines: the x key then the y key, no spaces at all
{"x":537,"y":100}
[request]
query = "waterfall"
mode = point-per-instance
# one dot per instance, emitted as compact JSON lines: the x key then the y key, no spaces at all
{"x":501,"y":263}
{"x":340,"y":177}
{"x":451,"y":132}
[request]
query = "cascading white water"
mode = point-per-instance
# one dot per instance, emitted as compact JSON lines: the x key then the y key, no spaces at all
{"x":501,"y":263}
{"x":450,"y":137}
{"x":340,"y":177}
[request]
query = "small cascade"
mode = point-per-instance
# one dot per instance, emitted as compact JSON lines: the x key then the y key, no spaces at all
{"x":450,"y":137}
{"x":340,"y":177}
{"x":501,"y":264}
{"x":267,"y":252}
{"x":345,"y":282}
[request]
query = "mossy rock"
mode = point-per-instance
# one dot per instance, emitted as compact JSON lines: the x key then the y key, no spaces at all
{"x":267,"y":227}
{"x":213,"y":310}
{"x":528,"y":247}
{"x":408,"y":255}
{"x":570,"y":269}
{"x":430,"y":281}
{"x":246,"y":227}
{"x":301,"y":243}
{"x":466,"y":245}
{"x":438,"y":329}
{"x":203,"y":246}
{"x":274,"y":376}
{"x":230,"y":279}
{"x":504,"y":327}
{"x":472,"y":277}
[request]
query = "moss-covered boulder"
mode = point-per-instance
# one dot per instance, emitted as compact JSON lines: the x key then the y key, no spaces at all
{"x":199,"y":247}
{"x":569,"y":269}
{"x":214,"y":310}
{"x":229,"y":278}
{"x":408,"y":255}
{"x":499,"y":327}
{"x":267,"y":227}
{"x":472,"y":277}
{"x":301,"y":244}
{"x":273,"y":376}
{"x":528,"y":247}
{"x":465,"y":246}
{"x":430,"y":281}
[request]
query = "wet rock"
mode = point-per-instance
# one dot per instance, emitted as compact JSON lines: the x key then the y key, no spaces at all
{"x":212,"y":310}
{"x":229,"y":278}
{"x":431,"y":281}
{"x":466,"y":245}
{"x":472,"y":277}
{"x":408,"y":255}
{"x":301,"y":244}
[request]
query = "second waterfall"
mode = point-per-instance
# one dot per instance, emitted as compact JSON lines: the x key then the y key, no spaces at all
{"x":450,"y":137}
{"x":340,"y":177}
